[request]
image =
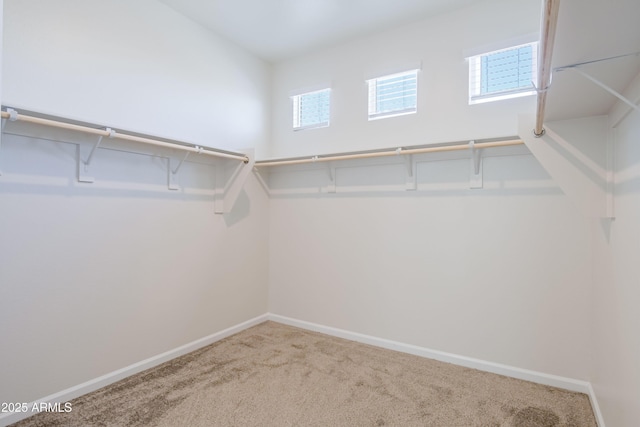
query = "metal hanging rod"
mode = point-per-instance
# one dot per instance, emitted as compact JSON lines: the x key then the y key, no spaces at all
{"x":547,"y":35}
{"x":393,"y":152}
{"x":13,"y":115}
{"x":578,"y":64}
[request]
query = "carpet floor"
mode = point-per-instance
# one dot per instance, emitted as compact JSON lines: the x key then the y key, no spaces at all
{"x":277,"y":375}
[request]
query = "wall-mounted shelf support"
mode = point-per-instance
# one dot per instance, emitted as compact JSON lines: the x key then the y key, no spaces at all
{"x":227,"y":191}
{"x":331,"y":186}
{"x":408,"y":161}
{"x":332,"y":172}
{"x":96,"y":145}
{"x":229,"y":186}
{"x":586,"y":182}
{"x":172,"y":173}
{"x":475,"y":170}
{"x":263,"y":178}
{"x":175,"y":171}
{"x":410,"y":167}
{"x":12,"y":115}
{"x":84,"y":165}
{"x":386,"y":153}
{"x":605,"y":87}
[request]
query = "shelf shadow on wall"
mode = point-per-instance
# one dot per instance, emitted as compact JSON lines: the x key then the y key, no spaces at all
{"x":43,"y":167}
{"x":514,"y":175}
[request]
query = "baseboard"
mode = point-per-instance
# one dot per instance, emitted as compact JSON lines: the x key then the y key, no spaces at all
{"x":482,"y":365}
{"x":596,"y":407}
{"x":110,"y":378}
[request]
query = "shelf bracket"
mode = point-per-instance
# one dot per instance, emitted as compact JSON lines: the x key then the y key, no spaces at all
{"x":172,"y":173}
{"x":605,"y":87}
{"x":84,"y":165}
{"x":562,"y":155}
{"x":331,"y":169}
{"x":263,"y":178}
{"x":410,"y":168}
{"x":227,"y":191}
{"x":475,"y":171}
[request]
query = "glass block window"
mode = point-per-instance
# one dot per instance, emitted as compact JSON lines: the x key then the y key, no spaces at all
{"x":393,"y":95}
{"x":311,"y":109}
{"x":503,"y":74}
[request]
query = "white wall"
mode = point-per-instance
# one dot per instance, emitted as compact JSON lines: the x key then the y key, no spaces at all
{"x":499,"y":274}
{"x":95,"y":277}
{"x":443,"y":114}
{"x":137,"y":66}
{"x":616,"y":346}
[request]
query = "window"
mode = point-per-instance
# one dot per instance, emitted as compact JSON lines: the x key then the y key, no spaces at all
{"x":311,"y":109}
{"x":503,"y":74}
{"x":393,"y":95}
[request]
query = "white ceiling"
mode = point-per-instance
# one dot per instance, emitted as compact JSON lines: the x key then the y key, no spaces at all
{"x":588,"y":30}
{"x":275,"y":30}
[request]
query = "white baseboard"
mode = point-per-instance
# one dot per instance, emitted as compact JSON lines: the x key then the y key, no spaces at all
{"x":110,"y":378}
{"x":595,"y":406}
{"x":482,"y":365}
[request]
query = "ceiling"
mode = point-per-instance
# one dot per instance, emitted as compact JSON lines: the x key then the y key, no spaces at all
{"x":588,"y":30}
{"x":275,"y":30}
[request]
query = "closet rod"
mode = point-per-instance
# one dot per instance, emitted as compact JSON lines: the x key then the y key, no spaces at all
{"x":547,"y":35}
{"x":395,"y":152}
{"x":12,"y":115}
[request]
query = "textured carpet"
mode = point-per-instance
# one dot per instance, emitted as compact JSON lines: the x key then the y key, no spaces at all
{"x":277,"y":375}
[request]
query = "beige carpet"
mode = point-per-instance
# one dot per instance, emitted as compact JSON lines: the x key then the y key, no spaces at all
{"x":277,"y":375}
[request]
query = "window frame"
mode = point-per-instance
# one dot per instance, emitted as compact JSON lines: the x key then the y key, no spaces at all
{"x":475,"y":77}
{"x":372,"y":90}
{"x":296,"y":110}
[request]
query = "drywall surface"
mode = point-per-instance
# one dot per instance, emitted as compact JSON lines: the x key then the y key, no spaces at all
{"x":499,"y":274}
{"x":137,"y":66}
{"x":616,"y":346}
{"x":440,"y":44}
{"x":574,"y":153}
{"x":96,"y":277}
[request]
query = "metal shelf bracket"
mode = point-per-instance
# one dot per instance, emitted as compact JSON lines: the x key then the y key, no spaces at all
{"x":84,"y":166}
{"x":172,"y":173}
{"x":410,"y":167}
{"x":331,"y":169}
{"x":475,"y":169}
{"x":228,"y":189}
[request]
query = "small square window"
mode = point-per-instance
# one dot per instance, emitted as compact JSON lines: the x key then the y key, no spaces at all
{"x":393,"y":95}
{"x":311,"y":109}
{"x":503,"y":74}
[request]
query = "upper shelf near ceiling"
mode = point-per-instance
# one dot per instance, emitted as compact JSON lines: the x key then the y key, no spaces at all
{"x":588,"y":31}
